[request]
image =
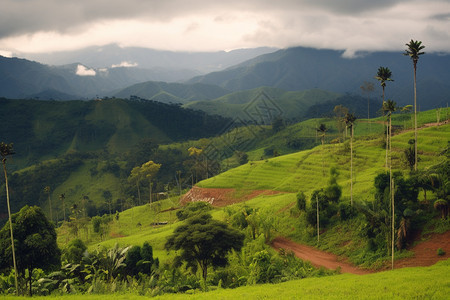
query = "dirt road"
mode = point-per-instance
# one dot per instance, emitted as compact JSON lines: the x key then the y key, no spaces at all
{"x":425,"y":254}
{"x":316,"y":257}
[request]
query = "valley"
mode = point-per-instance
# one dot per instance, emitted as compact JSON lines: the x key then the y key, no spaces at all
{"x":267,"y":172}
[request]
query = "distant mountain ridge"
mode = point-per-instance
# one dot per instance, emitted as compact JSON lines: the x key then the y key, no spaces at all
{"x":296,"y":69}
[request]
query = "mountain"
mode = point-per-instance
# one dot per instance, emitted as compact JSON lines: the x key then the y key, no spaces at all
{"x":47,"y":129}
{"x":262,"y":105}
{"x":301,"y":68}
{"x":172,"y":92}
{"x":21,"y":78}
{"x":145,"y":58}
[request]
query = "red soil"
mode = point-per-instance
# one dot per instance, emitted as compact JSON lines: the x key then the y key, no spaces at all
{"x":317,"y":257}
{"x":222,"y":197}
{"x":425,"y":252}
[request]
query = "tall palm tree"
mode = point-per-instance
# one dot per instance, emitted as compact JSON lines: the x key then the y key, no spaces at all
{"x":349,"y":120}
{"x":6,"y":150}
{"x":62,"y":197}
{"x":389,"y":107}
{"x":47,"y":190}
{"x":322,"y":129}
{"x":384,"y":75}
{"x":367,"y":88}
{"x":413,"y":51}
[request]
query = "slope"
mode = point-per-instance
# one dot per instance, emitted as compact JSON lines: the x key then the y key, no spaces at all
{"x":305,"y":68}
{"x":262,"y":104}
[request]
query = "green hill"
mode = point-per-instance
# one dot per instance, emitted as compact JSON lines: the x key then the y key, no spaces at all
{"x":172,"y":92}
{"x":262,"y":104}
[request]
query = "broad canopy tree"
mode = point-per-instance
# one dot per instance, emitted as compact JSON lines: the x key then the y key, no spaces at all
{"x":35,"y":242}
{"x":204,"y":242}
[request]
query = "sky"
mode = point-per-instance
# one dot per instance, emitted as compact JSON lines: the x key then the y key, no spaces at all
{"x":45,"y":26}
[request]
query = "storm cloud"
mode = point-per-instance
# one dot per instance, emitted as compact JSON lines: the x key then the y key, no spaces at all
{"x":351,"y":25}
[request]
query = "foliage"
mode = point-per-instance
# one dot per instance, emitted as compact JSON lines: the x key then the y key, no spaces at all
{"x":204,"y":242}
{"x":192,"y":209}
{"x":74,"y":251}
{"x":35,"y":243}
{"x":301,"y":201}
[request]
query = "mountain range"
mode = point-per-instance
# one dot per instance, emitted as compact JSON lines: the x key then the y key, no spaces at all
{"x":292,"y":69}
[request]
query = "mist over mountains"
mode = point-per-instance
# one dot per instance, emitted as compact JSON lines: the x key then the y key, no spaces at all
{"x":148,"y":74}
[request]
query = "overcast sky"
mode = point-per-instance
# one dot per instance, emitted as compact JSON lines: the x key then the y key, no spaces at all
{"x":206,"y":25}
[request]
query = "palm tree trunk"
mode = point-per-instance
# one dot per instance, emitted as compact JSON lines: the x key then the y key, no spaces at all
{"x":391,"y":193}
{"x":351,"y":167}
{"x":317,"y":206}
{"x":415,"y":119}
{"x":10,"y":228}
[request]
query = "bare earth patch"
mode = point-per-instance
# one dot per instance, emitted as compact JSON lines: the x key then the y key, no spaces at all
{"x":222,"y":197}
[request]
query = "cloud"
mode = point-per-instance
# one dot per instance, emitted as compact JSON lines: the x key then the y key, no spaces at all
{"x":125,"y":64}
{"x":204,"y":25}
{"x":83,"y":71}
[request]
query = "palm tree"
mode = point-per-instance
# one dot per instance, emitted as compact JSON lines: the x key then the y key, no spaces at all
{"x":47,"y":191}
{"x":5,"y":150}
{"x":322,"y":129}
{"x":62,"y":197}
{"x":389,"y":107}
{"x":383,"y":75}
{"x":367,"y":88}
{"x":349,"y":120}
{"x":413,"y":51}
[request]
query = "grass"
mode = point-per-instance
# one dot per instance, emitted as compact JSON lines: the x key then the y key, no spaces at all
{"x":408,"y":283}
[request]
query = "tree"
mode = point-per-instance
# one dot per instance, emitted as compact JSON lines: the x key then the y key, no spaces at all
{"x":148,"y":170}
{"x":413,"y":51}
{"x":322,"y":129}
{"x":108,"y":199}
{"x":35,"y":239}
{"x":136,"y":177}
{"x":74,"y":251}
{"x":367,"y":87}
{"x":383,"y":75}
{"x":349,"y":120}
{"x":47,"y":190}
{"x":6,"y":150}
{"x":62,"y":197}
{"x":389,"y":107}
{"x":204,"y":242}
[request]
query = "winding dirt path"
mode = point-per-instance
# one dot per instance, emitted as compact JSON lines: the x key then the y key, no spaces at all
{"x":425,"y":254}
{"x":317,"y":257}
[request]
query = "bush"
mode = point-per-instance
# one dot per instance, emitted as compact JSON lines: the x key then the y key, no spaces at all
{"x":193,"y":209}
{"x":346,"y":211}
{"x":440,"y":252}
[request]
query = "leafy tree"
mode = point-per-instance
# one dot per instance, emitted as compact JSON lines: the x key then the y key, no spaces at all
{"x":414,"y":50}
{"x":74,"y":251}
{"x":35,"y":239}
{"x":193,"y":208}
{"x":108,"y":199}
{"x":204,"y":242}
{"x":135,"y":178}
{"x":148,"y":170}
{"x":6,"y":150}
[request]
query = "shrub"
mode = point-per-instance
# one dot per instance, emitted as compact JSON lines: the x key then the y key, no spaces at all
{"x":440,"y":252}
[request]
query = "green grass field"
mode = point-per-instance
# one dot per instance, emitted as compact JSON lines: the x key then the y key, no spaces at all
{"x":408,"y":283}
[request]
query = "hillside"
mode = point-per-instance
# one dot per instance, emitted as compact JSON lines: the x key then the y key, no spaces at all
{"x":48,"y":129}
{"x":20,"y":78}
{"x":172,"y":92}
{"x":299,"y":68}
